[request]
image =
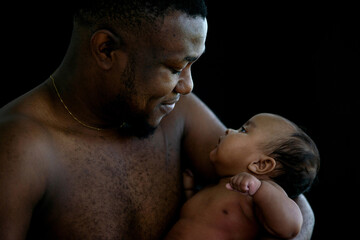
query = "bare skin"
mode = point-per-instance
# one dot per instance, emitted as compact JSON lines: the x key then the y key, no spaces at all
{"x":61,"y":180}
{"x":256,"y":204}
{"x":224,"y":215}
{"x":84,"y":184}
{"x":216,"y":213}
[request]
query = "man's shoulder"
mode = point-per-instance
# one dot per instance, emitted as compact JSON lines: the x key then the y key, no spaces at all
{"x":22,"y":135}
{"x":187,"y":106}
{"x":187,"y":101}
{"x":197,"y":115}
{"x":26,"y":118}
{"x":24,"y":154}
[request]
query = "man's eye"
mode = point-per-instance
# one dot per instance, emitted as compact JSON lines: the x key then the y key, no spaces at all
{"x":175,"y":71}
{"x":242,"y":129}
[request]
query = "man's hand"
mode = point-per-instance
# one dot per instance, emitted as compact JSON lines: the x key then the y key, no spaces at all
{"x":244,"y":183}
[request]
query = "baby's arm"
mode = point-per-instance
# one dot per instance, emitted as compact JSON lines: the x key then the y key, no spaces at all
{"x":279,"y":214}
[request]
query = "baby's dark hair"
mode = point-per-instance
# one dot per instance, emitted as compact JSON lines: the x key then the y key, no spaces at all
{"x":130,"y":13}
{"x":299,"y":163}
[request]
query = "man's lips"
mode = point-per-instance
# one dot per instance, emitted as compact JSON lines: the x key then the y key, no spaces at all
{"x":167,"y":106}
{"x":171,"y":101}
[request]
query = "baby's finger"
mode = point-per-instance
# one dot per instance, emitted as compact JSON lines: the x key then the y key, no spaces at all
{"x":229,"y":187}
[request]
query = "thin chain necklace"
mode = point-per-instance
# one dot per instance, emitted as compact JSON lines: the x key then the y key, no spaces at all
{"x":72,"y":115}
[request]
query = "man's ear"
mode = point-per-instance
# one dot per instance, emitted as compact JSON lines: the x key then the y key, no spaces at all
{"x":263,"y":165}
{"x":103,"y":43}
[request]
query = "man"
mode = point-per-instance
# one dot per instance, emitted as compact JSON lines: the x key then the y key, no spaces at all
{"x":96,"y":151}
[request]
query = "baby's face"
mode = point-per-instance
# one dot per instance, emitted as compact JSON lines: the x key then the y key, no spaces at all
{"x":238,"y":148}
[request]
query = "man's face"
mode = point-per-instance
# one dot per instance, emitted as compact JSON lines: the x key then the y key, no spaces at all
{"x":158,"y":71}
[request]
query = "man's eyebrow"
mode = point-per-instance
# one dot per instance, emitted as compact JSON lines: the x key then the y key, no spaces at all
{"x":193,"y":59}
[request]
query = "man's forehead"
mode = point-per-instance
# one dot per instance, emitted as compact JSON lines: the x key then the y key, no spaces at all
{"x":181,"y":23}
{"x":181,"y":37}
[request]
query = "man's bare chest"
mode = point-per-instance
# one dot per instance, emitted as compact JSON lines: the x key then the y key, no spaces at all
{"x":125,"y":190}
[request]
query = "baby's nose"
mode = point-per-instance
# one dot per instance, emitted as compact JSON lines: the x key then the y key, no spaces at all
{"x":228,"y":131}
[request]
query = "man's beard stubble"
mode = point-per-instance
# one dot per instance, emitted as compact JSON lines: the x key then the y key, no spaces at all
{"x":131,"y":121}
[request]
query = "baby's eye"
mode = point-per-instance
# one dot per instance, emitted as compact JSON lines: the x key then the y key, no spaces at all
{"x":242,"y":129}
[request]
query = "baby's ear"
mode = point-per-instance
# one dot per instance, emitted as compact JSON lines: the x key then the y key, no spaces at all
{"x":263,"y":165}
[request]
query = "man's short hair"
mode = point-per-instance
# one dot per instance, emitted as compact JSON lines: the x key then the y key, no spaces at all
{"x":130,"y":13}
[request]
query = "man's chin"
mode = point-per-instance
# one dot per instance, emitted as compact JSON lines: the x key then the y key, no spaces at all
{"x":136,"y":123}
{"x":139,"y":129}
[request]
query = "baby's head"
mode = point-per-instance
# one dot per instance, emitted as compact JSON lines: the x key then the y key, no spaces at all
{"x":270,"y":147}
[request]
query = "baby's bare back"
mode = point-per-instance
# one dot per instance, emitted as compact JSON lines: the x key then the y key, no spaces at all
{"x":216,"y":213}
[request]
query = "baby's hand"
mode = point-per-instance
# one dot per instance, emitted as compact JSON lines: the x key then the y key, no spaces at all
{"x":244,"y":183}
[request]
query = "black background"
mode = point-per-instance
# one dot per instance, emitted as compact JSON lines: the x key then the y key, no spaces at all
{"x":298,"y":61}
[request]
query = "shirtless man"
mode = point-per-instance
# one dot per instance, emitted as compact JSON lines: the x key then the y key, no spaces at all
{"x":94,"y":151}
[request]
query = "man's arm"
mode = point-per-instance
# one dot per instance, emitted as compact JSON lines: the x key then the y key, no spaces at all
{"x":21,"y":184}
{"x":308,"y":219}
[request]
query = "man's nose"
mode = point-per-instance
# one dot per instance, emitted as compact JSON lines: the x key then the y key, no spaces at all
{"x":185,"y":84}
